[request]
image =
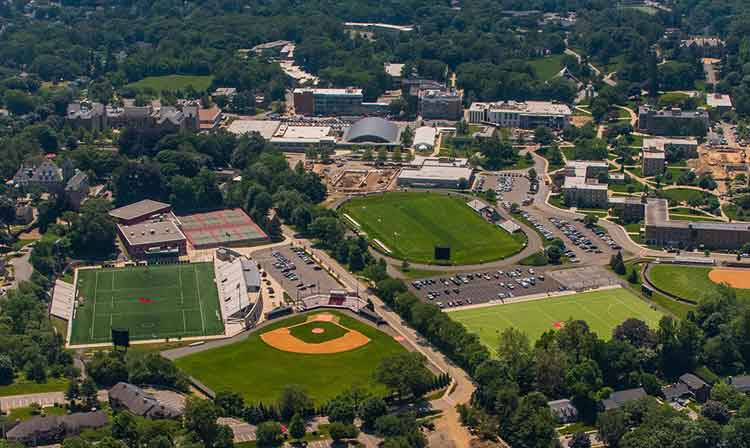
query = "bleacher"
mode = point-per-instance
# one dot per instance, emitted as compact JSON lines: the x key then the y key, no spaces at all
{"x":63,"y":300}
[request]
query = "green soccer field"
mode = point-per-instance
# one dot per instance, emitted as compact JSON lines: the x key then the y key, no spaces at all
{"x":412,"y":224}
{"x":154,"y":302}
{"x":687,"y":282}
{"x":260,"y":372}
{"x":602,"y":310}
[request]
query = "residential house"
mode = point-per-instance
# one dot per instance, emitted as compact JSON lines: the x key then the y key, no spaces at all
{"x":619,"y":398}
{"x":740,"y":383}
{"x":563,"y":410}
{"x":131,"y":398}
{"x":46,"y":430}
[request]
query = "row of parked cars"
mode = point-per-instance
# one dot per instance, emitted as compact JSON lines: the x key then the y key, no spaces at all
{"x":548,"y":235}
{"x":576,"y":237}
{"x":607,"y":239}
{"x":285,"y":266}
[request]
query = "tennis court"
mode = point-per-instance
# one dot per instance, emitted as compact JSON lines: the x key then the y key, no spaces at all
{"x":153,"y":302}
{"x":230,"y":227}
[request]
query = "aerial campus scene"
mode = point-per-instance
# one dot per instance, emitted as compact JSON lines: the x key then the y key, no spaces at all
{"x":398,"y":223}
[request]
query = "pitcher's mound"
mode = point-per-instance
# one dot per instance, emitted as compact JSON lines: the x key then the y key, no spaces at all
{"x":318,"y":330}
{"x":735,"y":278}
{"x":283,"y":339}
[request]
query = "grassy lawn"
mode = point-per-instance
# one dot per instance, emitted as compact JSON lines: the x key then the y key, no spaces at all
{"x":173,"y":82}
{"x":551,"y":167}
{"x":410,"y":225}
{"x":602,"y":310}
{"x":520,"y":164}
{"x":691,"y":217}
{"x":167,"y":301}
{"x":672,"y":99}
{"x":260,"y":372}
{"x":22,"y":386}
{"x":678,"y":195}
{"x":547,"y":67}
{"x":636,"y":187}
{"x":687,"y":282}
{"x":26,"y":413}
{"x":305,"y":332}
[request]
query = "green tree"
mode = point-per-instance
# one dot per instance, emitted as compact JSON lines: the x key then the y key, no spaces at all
{"x":297,"y":427}
{"x":268,"y":434}
{"x":294,"y":400}
{"x":404,"y":373}
{"x":612,"y":426}
{"x":200,"y":418}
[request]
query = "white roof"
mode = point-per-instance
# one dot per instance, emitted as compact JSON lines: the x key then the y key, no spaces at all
{"x":427,"y":173}
{"x":509,"y":226}
{"x":324,"y":91}
{"x":231,"y":280}
{"x":424,"y":135}
{"x":525,"y":107}
{"x":63,"y":297}
{"x":477,"y":205}
{"x":421,"y":161}
{"x":394,"y":70}
{"x":302,"y":132}
{"x":718,"y":100}
{"x":582,"y":184}
{"x":660,"y":142}
{"x":265,"y":128}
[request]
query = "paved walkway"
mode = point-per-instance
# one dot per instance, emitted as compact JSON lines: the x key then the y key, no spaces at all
{"x":44,"y":399}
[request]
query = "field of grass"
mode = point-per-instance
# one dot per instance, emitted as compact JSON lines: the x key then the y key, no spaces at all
{"x":410,"y":225}
{"x":602,"y":310}
{"x":687,"y":282}
{"x":259,"y":372}
{"x":547,"y":67}
{"x":173,"y":83}
{"x":678,"y":195}
{"x":22,"y":386}
{"x":691,"y":217}
{"x":154,"y":302}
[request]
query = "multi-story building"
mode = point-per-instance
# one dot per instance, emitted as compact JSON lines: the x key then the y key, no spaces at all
{"x":628,"y":209}
{"x":673,"y":121}
{"x":328,"y":102}
{"x":436,"y":104}
{"x":97,"y":117}
{"x":58,"y":180}
{"x":661,"y":230}
{"x":581,"y":186}
{"x":653,"y":161}
{"x":524,"y":115}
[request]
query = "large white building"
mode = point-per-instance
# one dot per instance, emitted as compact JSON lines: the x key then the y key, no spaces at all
{"x":424,"y":138}
{"x":433,"y":172}
{"x":523,"y":114}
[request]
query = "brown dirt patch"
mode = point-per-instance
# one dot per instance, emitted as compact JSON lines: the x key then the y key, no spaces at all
{"x":282,"y":339}
{"x":318,"y":331}
{"x":735,"y":278}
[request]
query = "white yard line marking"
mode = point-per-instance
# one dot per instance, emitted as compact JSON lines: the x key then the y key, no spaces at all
{"x":200,"y":302}
{"x":93,"y":305}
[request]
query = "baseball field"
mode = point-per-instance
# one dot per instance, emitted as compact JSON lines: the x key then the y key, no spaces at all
{"x":693,"y":282}
{"x":153,"y":302}
{"x":410,"y":225}
{"x":326,"y":353}
{"x":602,"y":310}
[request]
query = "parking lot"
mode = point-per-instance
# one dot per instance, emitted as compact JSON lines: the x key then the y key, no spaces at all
{"x":499,"y":286}
{"x":298,"y":274}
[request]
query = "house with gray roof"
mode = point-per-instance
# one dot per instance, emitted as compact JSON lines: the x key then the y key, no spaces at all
{"x":131,"y":398}
{"x":50,"y":429}
{"x":619,"y":398}
{"x":740,"y":383}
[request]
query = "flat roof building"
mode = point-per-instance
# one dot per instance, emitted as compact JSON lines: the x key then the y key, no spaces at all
{"x":581,"y":186}
{"x":266,"y":128}
{"x":426,"y":172}
{"x":663,"y":231}
{"x":139,"y":211}
{"x":440,"y":104}
{"x":328,"y":102}
{"x":153,"y":238}
{"x":719,"y":101}
{"x":675,"y":121}
{"x":654,"y":162}
{"x":424,"y":138}
{"x":521,"y":114}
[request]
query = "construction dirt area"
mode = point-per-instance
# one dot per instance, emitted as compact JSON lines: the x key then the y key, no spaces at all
{"x":355,"y":177}
{"x":721,"y":162}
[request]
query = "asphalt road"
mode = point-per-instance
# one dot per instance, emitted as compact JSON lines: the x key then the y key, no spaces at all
{"x":22,"y":268}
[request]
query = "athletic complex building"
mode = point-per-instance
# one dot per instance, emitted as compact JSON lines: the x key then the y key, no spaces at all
{"x":148,"y":229}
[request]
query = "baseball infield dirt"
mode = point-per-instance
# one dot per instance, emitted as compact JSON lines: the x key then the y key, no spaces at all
{"x":282,"y":339}
{"x":735,"y":278}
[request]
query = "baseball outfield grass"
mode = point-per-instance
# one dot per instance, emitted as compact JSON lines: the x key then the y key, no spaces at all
{"x":687,"y":282}
{"x":410,"y":225}
{"x":259,"y":372}
{"x":153,"y":302}
{"x":602,"y":310}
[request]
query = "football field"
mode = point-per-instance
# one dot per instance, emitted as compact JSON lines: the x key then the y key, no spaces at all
{"x":602,"y":310}
{"x":410,"y":225}
{"x":153,"y":302}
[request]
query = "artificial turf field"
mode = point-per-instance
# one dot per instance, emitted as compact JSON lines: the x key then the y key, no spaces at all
{"x":602,"y":310}
{"x":412,"y":224}
{"x":687,"y":282}
{"x":259,"y":372}
{"x":154,"y":302}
